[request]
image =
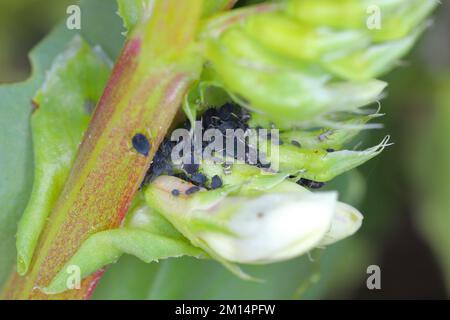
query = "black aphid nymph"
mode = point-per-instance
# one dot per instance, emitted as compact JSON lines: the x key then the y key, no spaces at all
{"x":141,"y":144}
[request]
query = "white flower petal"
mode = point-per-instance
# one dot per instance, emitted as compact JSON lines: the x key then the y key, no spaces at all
{"x":275,"y":227}
{"x":346,"y":221}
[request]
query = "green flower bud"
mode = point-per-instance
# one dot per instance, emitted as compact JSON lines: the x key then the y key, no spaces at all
{"x":254,"y":225}
{"x":370,"y":62}
{"x":282,"y":88}
{"x":275,"y":31}
{"x":396,"y":18}
{"x":271,"y":227}
{"x":332,"y":13}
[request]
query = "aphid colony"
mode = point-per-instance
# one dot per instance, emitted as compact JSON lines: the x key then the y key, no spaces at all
{"x":228,"y":116}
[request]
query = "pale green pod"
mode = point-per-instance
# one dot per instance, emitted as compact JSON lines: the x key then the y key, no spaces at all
{"x":72,"y":86}
{"x":289,"y":37}
{"x":281,"y":88}
{"x":371,"y":62}
{"x":145,"y":234}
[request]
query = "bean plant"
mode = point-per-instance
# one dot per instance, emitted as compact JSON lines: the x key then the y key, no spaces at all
{"x":102,"y":110}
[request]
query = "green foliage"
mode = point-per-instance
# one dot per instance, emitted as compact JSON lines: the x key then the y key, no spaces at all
{"x":61,"y":115}
{"x":285,"y":64}
{"x":16,"y":154}
{"x":16,"y":164}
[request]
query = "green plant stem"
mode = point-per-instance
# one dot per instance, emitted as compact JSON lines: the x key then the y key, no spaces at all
{"x":155,"y":69}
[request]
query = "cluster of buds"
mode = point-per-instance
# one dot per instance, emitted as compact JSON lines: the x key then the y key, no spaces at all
{"x":297,"y":62}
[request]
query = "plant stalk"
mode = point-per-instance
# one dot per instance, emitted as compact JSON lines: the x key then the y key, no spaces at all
{"x":155,"y":69}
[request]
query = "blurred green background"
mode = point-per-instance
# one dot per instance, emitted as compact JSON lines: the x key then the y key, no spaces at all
{"x":404,"y":193}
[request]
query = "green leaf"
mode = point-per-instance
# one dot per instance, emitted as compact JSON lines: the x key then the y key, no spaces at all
{"x":16,"y":155}
{"x":131,"y":11}
{"x":101,"y":26}
{"x":63,"y":104}
{"x":16,"y":164}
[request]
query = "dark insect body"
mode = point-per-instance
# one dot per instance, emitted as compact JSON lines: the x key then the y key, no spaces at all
{"x":199,"y":179}
{"x":216,"y":182}
{"x":191,"y":168}
{"x":227,"y":117}
{"x":141,"y":144}
{"x":310,"y":184}
{"x":192,"y":190}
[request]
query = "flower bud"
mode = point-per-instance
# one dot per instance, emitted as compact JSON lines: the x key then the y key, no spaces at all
{"x":346,"y":221}
{"x":255,"y":226}
{"x":274,"y":227}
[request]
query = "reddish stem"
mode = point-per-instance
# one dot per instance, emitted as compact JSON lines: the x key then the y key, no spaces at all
{"x":153,"y":73}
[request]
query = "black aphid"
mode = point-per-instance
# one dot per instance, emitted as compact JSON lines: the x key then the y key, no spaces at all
{"x":310,"y":184}
{"x":228,"y":116}
{"x":199,"y":179}
{"x":89,"y":106}
{"x":216,"y":182}
{"x":176,"y":192}
{"x":191,"y":168}
{"x":141,"y":144}
{"x":330,"y":150}
{"x":192,"y":190}
{"x":296,"y":143}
